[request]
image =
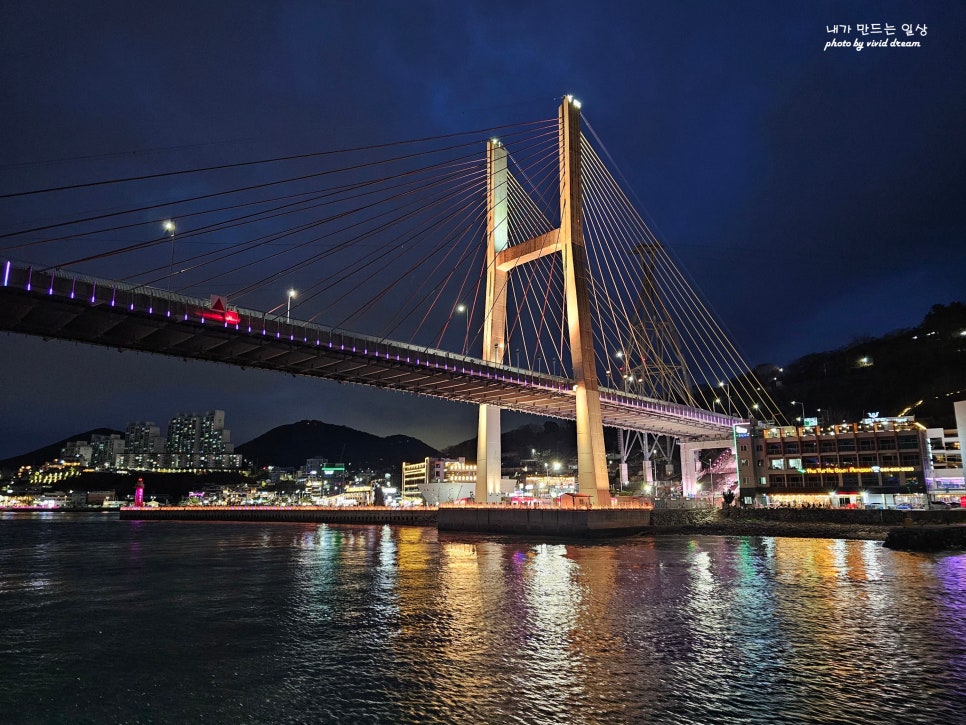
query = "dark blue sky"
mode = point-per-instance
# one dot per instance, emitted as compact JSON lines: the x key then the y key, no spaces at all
{"x":814,"y":195}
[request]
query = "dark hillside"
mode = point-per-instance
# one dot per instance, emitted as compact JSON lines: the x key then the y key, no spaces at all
{"x":290,"y":445}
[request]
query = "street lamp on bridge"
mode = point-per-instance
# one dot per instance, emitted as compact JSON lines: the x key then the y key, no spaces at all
{"x":462,"y":309}
{"x":727,"y":388}
{"x":169,"y":226}
{"x":799,"y":402}
{"x":288,"y":309}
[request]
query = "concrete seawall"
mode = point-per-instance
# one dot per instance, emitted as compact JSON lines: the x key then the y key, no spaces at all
{"x":304,"y":514}
{"x":813,"y":523}
{"x":914,"y":530}
{"x":577,"y":523}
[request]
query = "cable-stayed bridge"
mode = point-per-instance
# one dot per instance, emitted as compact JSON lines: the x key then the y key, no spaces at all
{"x":521,"y":278}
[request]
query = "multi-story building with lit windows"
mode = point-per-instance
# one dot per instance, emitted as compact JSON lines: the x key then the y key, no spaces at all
{"x":944,"y":475}
{"x":143,"y":437}
{"x":199,"y":442}
{"x":77,"y":452}
{"x":105,"y":449}
{"x":878,"y":462}
{"x":143,"y":446}
{"x":945,"y":459}
{"x":438,"y":480}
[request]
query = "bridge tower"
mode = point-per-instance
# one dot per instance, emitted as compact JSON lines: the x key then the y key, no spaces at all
{"x":568,"y":240}
{"x":488,"y":449}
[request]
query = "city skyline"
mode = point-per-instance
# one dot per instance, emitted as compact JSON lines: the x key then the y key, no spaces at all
{"x":811,"y":192}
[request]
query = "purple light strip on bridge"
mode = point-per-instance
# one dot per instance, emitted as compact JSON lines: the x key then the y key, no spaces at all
{"x":6,"y":273}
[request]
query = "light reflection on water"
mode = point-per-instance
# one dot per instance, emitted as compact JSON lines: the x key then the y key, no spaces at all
{"x":108,"y":621}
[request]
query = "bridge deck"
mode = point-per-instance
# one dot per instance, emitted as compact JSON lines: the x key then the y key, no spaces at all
{"x":102,"y":312}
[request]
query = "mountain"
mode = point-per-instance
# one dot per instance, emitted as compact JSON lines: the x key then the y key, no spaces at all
{"x":50,"y":452}
{"x":553,"y":439}
{"x":919,"y":371}
{"x":289,"y":446}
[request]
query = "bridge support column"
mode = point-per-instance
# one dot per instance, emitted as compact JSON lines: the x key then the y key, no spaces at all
{"x":591,"y":456}
{"x":689,"y":468}
{"x":690,"y":464}
{"x":488,"y":450}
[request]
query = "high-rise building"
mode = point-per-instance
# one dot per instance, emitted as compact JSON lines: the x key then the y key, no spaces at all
{"x":105,"y":449}
{"x":143,"y":437}
{"x":199,"y":441}
{"x":143,"y":445}
{"x":182,"y":434}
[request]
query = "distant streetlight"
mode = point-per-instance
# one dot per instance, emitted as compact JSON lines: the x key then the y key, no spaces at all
{"x":169,"y":226}
{"x":799,"y":402}
{"x":288,"y":309}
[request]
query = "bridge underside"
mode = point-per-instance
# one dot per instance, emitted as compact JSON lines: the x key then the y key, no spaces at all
{"x":147,"y":320}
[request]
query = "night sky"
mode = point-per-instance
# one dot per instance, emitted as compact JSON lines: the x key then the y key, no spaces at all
{"x":814,"y":195}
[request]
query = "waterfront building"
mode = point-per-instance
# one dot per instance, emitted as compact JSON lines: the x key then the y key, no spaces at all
{"x":323,"y":478}
{"x":877,"y":462}
{"x":944,"y":475}
{"x":437,"y":480}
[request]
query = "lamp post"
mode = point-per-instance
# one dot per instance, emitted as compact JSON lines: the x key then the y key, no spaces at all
{"x":169,"y":226}
{"x":288,"y":308}
{"x":800,"y":403}
{"x":727,"y":388}
{"x":461,"y":308}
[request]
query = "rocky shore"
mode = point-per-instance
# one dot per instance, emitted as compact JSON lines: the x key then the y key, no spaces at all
{"x":742,"y":523}
{"x":771,"y":528}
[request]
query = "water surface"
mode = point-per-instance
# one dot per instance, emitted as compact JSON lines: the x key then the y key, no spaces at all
{"x":124,"y":621}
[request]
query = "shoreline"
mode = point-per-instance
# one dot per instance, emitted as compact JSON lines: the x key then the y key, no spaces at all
{"x":934,"y":531}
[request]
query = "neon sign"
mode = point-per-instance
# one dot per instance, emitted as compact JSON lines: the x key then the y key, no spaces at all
{"x":861,"y":469}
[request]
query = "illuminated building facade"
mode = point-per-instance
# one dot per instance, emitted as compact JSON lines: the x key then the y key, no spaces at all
{"x":945,"y":477}
{"x":143,"y":446}
{"x":436,"y":472}
{"x":323,"y":478}
{"x":878,"y":462}
{"x":143,"y":437}
{"x":199,"y":442}
{"x":105,"y":449}
{"x":77,"y":452}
